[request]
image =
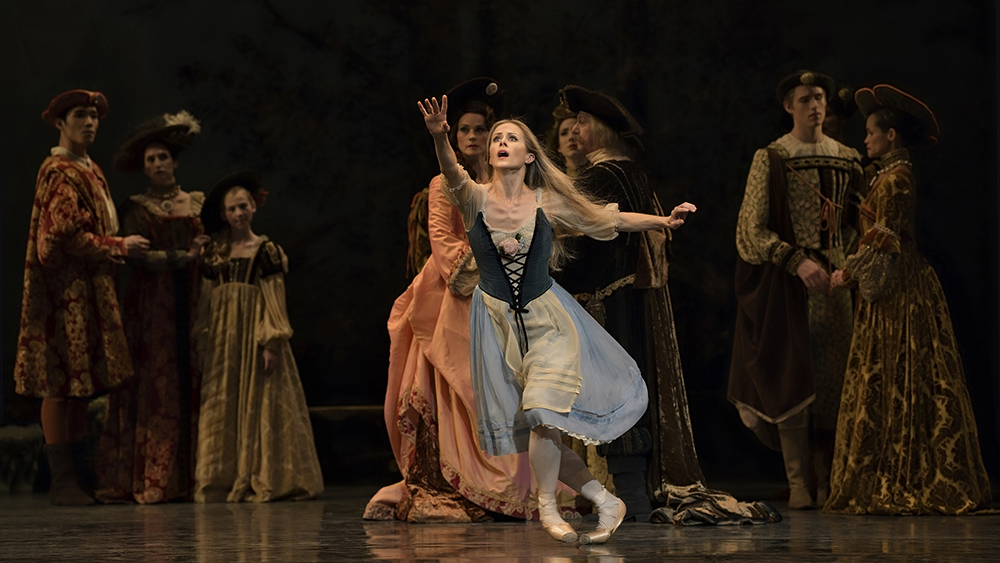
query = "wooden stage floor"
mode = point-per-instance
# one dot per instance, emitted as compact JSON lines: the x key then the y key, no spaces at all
{"x":331,"y":529}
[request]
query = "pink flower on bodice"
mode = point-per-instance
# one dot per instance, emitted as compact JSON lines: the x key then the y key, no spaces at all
{"x":509,"y":246}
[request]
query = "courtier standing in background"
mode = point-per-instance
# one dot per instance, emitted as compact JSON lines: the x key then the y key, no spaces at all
{"x":907,"y":441}
{"x":71,"y":344}
{"x":146,"y":452}
{"x":792,"y":333}
{"x":255,"y":441}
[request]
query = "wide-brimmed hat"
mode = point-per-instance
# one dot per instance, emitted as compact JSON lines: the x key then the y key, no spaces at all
{"x":482,"y":89}
{"x":72,"y":98}
{"x":606,"y":108}
{"x":805,"y":78}
{"x":885,"y":95}
{"x":175,"y":131}
{"x":842,"y":100}
{"x":211,"y":217}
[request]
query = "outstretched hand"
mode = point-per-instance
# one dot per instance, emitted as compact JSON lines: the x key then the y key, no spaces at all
{"x":680,"y":213}
{"x":435,"y":115}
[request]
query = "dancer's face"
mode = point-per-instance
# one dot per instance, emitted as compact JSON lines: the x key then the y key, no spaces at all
{"x":507,"y":148}
{"x":159,"y":165}
{"x":807,"y":106}
{"x":583,"y":133}
{"x":568,"y":147}
{"x":472,"y":133}
{"x":80,"y":125}
{"x":877,"y":140}
{"x":238,"y":208}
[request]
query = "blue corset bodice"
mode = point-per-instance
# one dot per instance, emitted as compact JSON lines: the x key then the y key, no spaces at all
{"x":498,"y":275}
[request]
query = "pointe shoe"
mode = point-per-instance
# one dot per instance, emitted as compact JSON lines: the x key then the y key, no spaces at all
{"x":561,"y":531}
{"x":602,"y":535}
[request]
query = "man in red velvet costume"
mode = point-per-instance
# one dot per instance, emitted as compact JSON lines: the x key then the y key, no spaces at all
{"x":71,"y":346}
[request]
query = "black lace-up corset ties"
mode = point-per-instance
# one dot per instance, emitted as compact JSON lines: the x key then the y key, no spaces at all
{"x":516,"y":279}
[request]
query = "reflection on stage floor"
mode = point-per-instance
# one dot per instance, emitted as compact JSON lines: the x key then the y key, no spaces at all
{"x":331,"y":529}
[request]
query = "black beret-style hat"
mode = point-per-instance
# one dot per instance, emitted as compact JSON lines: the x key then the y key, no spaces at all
{"x":804,"y":78}
{"x":176,"y":131}
{"x":606,"y":108}
{"x":72,"y":98}
{"x":885,"y":95}
{"x":211,"y":216}
{"x":842,"y":100}
{"x":483,"y":89}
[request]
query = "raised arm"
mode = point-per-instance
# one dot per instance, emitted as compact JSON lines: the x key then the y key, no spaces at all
{"x":436,"y":119}
{"x":636,"y":222}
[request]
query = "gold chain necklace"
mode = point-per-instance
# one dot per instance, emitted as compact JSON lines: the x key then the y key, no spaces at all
{"x":166,"y":199}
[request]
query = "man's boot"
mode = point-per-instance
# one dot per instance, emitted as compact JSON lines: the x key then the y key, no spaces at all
{"x":64,"y":489}
{"x":794,"y":435}
{"x":83,"y":462}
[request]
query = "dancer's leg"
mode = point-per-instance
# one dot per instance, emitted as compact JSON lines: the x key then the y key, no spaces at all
{"x":610,"y":509}
{"x":544,"y":455}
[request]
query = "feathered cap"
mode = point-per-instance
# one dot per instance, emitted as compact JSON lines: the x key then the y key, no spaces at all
{"x":483,"y":89}
{"x":68,"y":100}
{"x":175,"y":131}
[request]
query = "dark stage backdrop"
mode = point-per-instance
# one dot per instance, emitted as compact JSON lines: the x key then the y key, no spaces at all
{"x":319,"y":96}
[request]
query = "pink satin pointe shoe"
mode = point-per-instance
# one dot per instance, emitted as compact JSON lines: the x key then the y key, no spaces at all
{"x":603,"y":534}
{"x":561,"y":531}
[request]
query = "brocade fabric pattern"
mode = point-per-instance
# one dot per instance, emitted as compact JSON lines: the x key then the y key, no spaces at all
{"x":907,"y":441}
{"x":71,"y":341}
{"x":146,"y":452}
{"x":255,"y":440}
{"x":833,"y":170}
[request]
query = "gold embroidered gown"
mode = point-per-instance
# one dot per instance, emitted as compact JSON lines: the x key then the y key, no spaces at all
{"x":255,"y":441}
{"x":907,"y":441}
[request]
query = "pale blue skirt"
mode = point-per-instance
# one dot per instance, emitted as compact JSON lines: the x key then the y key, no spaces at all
{"x":612,"y":395}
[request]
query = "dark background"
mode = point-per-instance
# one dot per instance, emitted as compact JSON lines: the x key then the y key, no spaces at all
{"x":319,"y":96}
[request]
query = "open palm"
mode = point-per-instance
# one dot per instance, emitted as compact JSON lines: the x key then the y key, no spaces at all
{"x":435,"y":115}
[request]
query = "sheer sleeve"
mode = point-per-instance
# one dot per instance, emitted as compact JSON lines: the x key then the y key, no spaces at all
{"x":874,"y":264}
{"x":65,"y":226}
{"x":274,"y":325}
{"x":450,"y":248}
{"x":755,"y":242}
{"x":595,"y":221}
{"x":467,"y":196}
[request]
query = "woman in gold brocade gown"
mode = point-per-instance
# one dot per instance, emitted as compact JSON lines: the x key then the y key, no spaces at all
{"x":255,"y":441}
{"x":907,"y":441}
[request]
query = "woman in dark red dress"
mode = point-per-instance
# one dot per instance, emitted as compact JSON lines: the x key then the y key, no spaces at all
{"x":146,"y":450}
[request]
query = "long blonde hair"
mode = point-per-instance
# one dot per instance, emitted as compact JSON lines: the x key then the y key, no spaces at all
{"x":544,"y":174}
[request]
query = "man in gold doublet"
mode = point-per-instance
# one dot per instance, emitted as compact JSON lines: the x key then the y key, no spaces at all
{"x":793,"y":333}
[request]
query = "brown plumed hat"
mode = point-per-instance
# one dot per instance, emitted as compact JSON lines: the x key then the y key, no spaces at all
{"x":885,"y":95}
{"x":175,"y":131}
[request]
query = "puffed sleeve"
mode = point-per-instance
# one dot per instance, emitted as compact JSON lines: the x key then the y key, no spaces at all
{"x":450,"y":248}
{"x":756,"y":243}
{"x":274,"y":325}
{"x":467,"y":196}
{"x":595,"y":221}
{"x":873,"y":265}
{"x":67,"y":227}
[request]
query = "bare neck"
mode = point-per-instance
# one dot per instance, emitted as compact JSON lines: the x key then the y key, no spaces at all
{"x":241,"y":236}
{"x":75,"y":148}
{"x":509,"y":183}
{"x":808,"y":134}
